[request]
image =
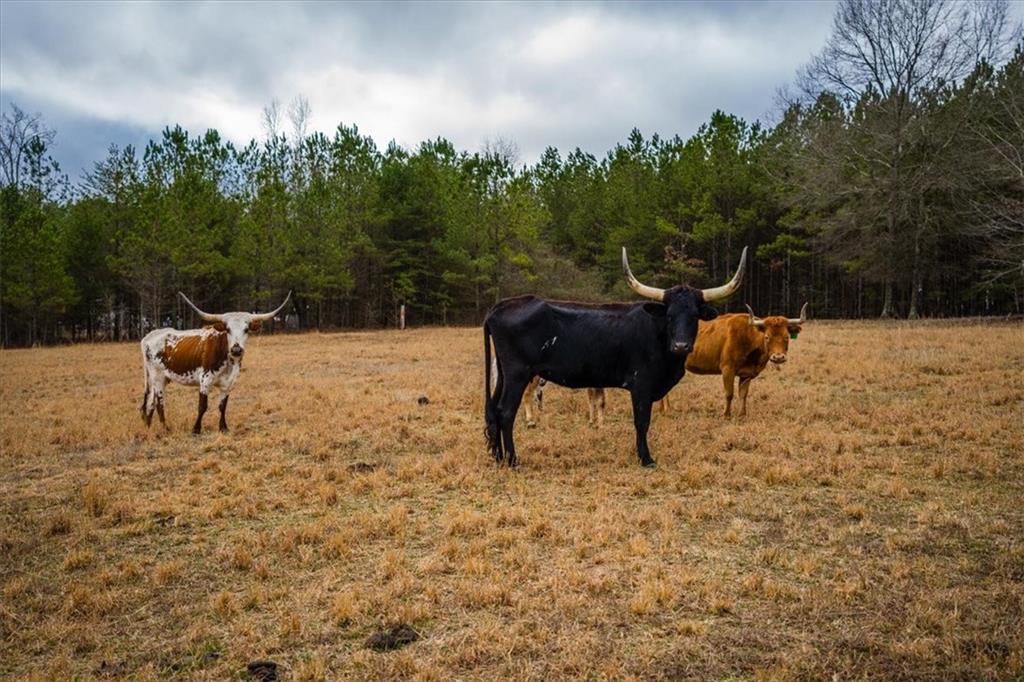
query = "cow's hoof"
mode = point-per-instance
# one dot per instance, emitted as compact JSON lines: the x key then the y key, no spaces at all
{"x":223,"y":429}
{"x":649,"y":464}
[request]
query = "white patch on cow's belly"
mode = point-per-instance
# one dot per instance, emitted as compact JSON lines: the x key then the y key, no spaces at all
{"x":192,"y":378}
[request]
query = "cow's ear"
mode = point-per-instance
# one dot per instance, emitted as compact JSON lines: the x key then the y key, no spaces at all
{"x":219,"y":326}
{"x":255,"y":325}
{"x":707,"y":312}
{"x":795,"y":329}
{"x":655,"y":309}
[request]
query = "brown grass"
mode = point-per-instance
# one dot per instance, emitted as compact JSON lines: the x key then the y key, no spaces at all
{"x":865,"y":521}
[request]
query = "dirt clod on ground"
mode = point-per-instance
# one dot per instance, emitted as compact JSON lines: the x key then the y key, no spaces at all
{"x":262,"y":671}
{"x":393,"y":638}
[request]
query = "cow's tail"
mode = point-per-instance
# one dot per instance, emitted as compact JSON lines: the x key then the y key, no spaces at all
{"x":492,"y":420}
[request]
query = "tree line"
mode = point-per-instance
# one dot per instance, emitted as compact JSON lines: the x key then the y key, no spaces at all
{"x":891,"y":185}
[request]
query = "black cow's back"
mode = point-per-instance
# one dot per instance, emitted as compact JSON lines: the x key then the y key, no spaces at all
{"x":582,"y":345}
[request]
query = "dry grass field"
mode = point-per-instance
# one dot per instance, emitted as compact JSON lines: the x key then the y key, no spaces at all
{"x":865,"y":521}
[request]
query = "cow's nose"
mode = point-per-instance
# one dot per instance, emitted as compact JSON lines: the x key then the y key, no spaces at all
{"x":778,"y":358}
{"x":237,"y":350}
{"x":681,"y":347}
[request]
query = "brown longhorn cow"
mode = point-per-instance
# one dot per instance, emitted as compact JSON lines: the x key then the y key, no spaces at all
{"x":741,"y":346}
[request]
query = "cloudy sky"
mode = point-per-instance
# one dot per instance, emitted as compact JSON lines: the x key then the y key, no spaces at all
{"x":562,"y":74}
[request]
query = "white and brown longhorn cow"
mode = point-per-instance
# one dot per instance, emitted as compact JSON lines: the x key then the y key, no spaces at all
{"x":210,"y":357}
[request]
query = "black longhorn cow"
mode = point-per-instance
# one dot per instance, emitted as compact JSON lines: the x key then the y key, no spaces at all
{"x":640,"y":347}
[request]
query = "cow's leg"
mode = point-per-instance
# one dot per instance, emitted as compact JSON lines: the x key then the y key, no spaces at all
{"x":528,"y":397}
{"x":147,"y":414}
{"x":223,"y":426}
{"x":728,"y":382}
{"x":492,"y":414}
{"x":642,"y":421}
{"x":595,"y":407}
{"x":198,"y":427}
{"x":148,"y":405}
{"x":508,"y":406}
{"x":499,"y":381}
{"x":158,"y":393}
{"x":744,"y":387}
{"x":149,"y":400}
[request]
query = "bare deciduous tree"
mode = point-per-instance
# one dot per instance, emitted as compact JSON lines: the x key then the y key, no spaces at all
{"x":898,"y":47}
{"x":885,"y":61}
{"x":299,"y":113}
{"x":23,"y":137}
{"x":997,"y":158}
{"x":272,"y":118}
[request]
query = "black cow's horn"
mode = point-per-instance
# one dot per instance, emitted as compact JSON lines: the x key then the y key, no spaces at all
{"x":206,"y":316}
{"x":803,"y":316}
{"x":726,"y":290}
{"x":634,"y":284}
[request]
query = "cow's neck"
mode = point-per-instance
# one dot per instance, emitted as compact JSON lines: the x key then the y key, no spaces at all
{"x":762,"y":361}
{"x":676,"y":368}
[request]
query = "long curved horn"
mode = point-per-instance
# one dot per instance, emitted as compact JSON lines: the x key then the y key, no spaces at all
{"x":634,"y":284}
{"x":206,"y":316}
{"x":726,"y":290}
{"x":803,"y":316}
{"x":270,"y":315}
{"x":755,"y":321}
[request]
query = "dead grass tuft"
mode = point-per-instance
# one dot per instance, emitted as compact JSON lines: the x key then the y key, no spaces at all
{"x":84,"y":601}
{"x":16,"y":586}
{"x":691,"y":628}
{"x":465,"y":522}
{"x":344,"y":608}
{"x":168,"y":572}
{"x":77,"y":558}
{"x":96,"y":496}
{"x":60,"y":523}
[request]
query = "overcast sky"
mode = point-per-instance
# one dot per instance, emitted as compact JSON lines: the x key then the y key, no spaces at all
{"x":564,"y":75}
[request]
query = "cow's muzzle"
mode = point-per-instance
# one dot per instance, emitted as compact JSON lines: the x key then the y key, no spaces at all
{"x":778,"y":358}
{"x":237,"y":351}
{"x":681,"y":347}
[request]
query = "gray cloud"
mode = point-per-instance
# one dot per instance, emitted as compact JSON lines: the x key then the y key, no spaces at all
{"x":564,"y":75}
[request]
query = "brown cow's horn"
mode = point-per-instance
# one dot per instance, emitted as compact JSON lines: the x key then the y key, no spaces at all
{"x":803,"y":316}
{"x":270,"y":315}
{"x":726,"y":290}
{"x":755,"y":321}
{"x":206,"y":316}
{"x":634,"y":284}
